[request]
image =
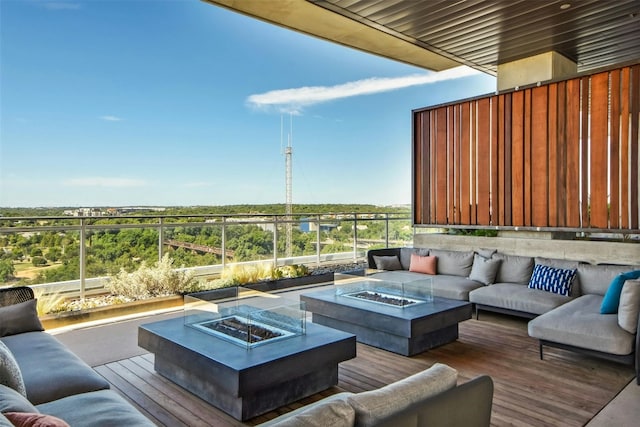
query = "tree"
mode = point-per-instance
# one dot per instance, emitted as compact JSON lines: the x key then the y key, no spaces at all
{"x":7,"y":270}
{"x":38,"y":261}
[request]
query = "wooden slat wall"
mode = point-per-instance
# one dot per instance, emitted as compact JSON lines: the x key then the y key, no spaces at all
{"x":562,"y":155}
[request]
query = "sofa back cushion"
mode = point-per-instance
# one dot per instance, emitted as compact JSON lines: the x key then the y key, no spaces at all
{"x":453,"y":263}
{"x":331,"y":411}
{"x":12,"y":401}
{"x":375,"y":405}
{"x":10,"y":374}
{"x":514,"y":269}
{"x":405,"y":255}
{"x":595,"y":279}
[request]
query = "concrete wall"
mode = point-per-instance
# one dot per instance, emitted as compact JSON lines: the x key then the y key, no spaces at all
{"x":589,"y":251}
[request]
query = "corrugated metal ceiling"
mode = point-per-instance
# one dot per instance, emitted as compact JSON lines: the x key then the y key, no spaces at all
{"x":483,"y":34}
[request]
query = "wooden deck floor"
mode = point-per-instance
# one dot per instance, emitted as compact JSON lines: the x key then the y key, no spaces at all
{"x":564,"y":389}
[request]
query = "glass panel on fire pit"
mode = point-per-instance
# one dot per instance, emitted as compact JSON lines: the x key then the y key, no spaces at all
{"x":389,"y":293}
{"x":244,"y":316}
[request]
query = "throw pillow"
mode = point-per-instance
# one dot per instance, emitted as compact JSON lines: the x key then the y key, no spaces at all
{"x":10,"y":374}
{"x":27,"y":419}
{"x":453,"y":263}
{"x":12,"y":401}
{"x":629,"y":306}
{"x":611,"y":299}
{"x":551,"y":279}
{"x":387,"y":262}
{"x":19,"y":318}
{"x":484,"y":270}
{"x":405,"y":255}
{"x":423,"y":264}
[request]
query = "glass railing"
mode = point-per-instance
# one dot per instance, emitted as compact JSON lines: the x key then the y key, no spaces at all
{"x":76,"y":255}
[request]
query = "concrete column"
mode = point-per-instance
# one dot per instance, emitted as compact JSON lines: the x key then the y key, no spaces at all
{"x":538,"y":68}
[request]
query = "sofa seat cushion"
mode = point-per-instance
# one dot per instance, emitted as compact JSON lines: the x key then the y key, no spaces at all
{"x":373,"y":406}
{"x":517,"y":297}
{"x":443,"y":285}
{"x":95,"y":409}
{"x":51,"y":371}
{"x":580,"y":324}
{"x":330,"y":411}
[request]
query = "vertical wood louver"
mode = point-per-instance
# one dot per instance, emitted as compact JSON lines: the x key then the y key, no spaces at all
{"x":560,"y":155}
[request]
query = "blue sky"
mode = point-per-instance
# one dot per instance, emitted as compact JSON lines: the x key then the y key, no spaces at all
{"x":178,"y":102}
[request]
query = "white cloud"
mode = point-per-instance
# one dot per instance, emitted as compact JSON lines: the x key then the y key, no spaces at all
{"x":111,"y":118}
{"x":106,"y":182}
{"x":294,"y":100}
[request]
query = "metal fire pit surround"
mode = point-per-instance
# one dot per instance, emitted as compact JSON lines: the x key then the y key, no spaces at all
{"x":245,"y":383}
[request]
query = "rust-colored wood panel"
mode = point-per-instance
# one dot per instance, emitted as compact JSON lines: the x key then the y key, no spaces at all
{"x":599,"y":167}
{"x":457,"y":162}
{"x":614,"y":164}
{"x":498,"y":165}
{"x":552,"y":132}
{"x":517,"y":158}
{"x":633,"y":167}
{"x":539,"y":156}
{"x":465,"y":160}
{"x":561,"y":156}
{"x":441,"y":146}
{"x":527,"y":158}
{"x":432,"y":167}
{"x":451,"y":166}
{"x":625,"y":111}
{"x":418,"y":161}
{"x":584,"y":160}
{"x":573,"y":141}
{"x":483,"y":172}
{"x":494,"y":203}
{"x":472,"y":163}
{"x":507,"y":158}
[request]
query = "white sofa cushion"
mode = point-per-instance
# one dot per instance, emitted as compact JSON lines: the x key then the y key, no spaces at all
{"x":629,"y":306}
{"x":375,"y":405}
{"x":580,"y":324}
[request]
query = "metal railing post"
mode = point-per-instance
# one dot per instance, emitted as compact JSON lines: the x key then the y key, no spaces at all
{"x":386,"y":230}
{"x":224,"y":241}
{"x":318,"y":258}
{"x":275,"y":241}
{"x":355,"y":237}
{"x":160,"y":239}
{"x":83,"y":263}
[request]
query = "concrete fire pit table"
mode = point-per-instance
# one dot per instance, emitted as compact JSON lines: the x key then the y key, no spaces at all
{"x":247,"y":381}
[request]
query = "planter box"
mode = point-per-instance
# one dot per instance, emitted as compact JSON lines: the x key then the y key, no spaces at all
{"x":57,"y":320}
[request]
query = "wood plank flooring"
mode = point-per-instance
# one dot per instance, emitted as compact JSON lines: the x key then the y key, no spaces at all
{"x":563,"y":389}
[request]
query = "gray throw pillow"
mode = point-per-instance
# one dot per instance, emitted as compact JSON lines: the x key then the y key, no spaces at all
{"x":453,"y":263}
{"x":10,"y":374}
{"x":387,"y":262}
{"x":19,"y":318}
{"x":629,"y":306}
{"x":484,"y":270}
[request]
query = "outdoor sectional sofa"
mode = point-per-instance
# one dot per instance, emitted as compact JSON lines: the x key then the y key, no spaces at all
{"x":566,"y":315}
{"x":41,"y":379}
{"x":428,"y":398}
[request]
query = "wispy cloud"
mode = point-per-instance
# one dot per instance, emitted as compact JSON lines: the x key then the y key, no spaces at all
{"x":61,"y":5}
{"x":111,"y":118}
{"x":105,"y":182}
{"x":294,"y":100}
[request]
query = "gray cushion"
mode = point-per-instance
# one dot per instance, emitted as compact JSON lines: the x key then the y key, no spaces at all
{"x":12,"y":401}
{"x":387,"y":262}
{"x":454,"y":263}
{"x":629,"y":306}
{"x":10,"y":374}
{"x":50,"y":371}
{"x":405,"y":255}
{"x":513,"y":296}
{"x":453,"y":287}
{"x":484,"y":270}
{"x":95,"y":409}
{"x":18,"y":318}
{"x":514,"y":269}
{"x":373,"y":406}
{"x":580,"y":324}
{"x":328,"y":412}
{"x":595,"y":279}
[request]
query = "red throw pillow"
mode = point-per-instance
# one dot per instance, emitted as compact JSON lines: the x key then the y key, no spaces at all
{"x":423,"y":264}
{"x":28,"y":419}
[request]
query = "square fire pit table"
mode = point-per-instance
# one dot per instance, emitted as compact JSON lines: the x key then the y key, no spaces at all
{"x":417,"y":322}
{"x":245,"y":380}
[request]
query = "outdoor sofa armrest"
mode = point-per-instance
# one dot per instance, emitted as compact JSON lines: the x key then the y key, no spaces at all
{"x":11,"y":296}
{"x":381,"y":252}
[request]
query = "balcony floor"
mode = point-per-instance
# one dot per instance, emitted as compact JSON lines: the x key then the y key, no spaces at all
{"x":564,"y":389}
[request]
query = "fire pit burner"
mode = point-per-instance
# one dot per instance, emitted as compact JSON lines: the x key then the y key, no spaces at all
{"x":242,"y":331}
{"x":383,"y":298}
